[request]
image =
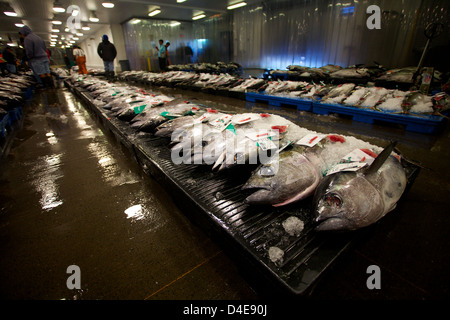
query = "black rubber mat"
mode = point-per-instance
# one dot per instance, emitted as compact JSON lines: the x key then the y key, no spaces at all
{"x":218,"y":198}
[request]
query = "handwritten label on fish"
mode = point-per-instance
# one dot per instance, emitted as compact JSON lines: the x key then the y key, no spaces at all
{"x":221,"y":123}
{"x":352,"y":166}
{"x":310,"y":140}
{"x":358,"y":155}
{"x":266,"y":144}
{"x":203,"y":118}
{"x":244,"y":118}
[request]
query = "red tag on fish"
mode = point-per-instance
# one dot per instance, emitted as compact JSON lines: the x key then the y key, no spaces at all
{"x":369,"y":152}
{"x":336,"y":138}
{"x":195,"y":108}
{"x":211,"y":110}
{"x":264,"y":115}
{"x":280,"y":129}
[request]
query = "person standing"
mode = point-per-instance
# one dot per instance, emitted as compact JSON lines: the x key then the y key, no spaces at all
{"x":36,"y":52}
{"x":10,"y":57}
{"x":107,"y":51}
{"x":80,"y":58}
{"x":162,"y":56}
{"x":167,"y":54}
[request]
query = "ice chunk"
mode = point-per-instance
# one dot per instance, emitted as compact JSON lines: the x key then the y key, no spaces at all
{"x":276,"y":254}
{"x":293,"y":226}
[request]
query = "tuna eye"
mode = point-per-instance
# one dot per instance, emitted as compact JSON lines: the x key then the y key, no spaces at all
{"x":266,"y":171}
{"x":333,"y":200}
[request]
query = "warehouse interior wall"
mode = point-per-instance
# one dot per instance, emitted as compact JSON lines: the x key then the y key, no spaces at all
{"x":275,"y":34}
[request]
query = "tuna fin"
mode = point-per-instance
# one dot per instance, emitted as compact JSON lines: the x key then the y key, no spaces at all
{"x":382,"y":157}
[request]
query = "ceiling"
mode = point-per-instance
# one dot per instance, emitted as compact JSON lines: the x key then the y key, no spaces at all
{"x":39,"y":14}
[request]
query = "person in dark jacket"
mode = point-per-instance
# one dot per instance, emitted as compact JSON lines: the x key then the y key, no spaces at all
{"x":36,"y":52}
{"x":107,"y":51}
{"x":10,"y":57}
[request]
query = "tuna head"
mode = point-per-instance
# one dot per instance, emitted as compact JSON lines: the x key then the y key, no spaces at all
{"x":290,"y":178}
{"x":346,"y":201}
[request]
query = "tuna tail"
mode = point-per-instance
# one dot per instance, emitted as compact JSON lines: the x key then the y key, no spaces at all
{"x":381,"y":159}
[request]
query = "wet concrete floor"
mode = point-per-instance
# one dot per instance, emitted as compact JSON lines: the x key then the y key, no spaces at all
{"x":71,"y":195}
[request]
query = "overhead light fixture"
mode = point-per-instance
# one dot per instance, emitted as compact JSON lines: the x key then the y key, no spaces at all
{"x":19,"y":25}
{"x":108,"y":4}
{"x":237,"y":5}
{"x":175,"y":23}
{"x":10,"y":13}
{"x":57,"y":7}
{"x":199,"y":16}
{"x":67,"y":29}
{"x":75,"y":38}
{"x":180,"y":1}
{"x":86,"y":28}
{"x":72,"y":41}
{"x":54,"y":36}
{"x":55,"y":30}
{"x":56,"y":22}
{"x":93,"y":17}
{"x":154,"y":12}
{"x":135,"y":21}
{"x":12,"y":44}
{"x":79,"y":34}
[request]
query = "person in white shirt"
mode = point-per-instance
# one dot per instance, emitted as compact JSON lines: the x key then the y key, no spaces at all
{"x":80,"y":58}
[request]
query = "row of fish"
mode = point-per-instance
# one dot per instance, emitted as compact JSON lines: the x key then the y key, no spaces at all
{"x":374,"y":72}
{"x":352,"y":183}
{"x":376,"y":98}
{"x":218,"y":67}
{"x":348,"y":94}
{"x":12,"y":91}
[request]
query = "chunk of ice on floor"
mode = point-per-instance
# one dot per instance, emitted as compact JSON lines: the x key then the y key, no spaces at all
{"x":276,"y":254}
{"x":293,"y":226}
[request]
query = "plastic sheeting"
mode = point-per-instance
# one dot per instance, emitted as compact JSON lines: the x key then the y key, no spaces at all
{"x":278,"y":33}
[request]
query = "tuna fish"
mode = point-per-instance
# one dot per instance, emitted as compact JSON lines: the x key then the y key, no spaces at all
{"x":291,"y":177}
{"x":353,"y":200}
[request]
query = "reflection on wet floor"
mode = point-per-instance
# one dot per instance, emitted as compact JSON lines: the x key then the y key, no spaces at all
{"x":71,"y":195}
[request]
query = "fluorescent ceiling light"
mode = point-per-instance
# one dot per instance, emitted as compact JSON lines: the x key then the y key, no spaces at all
{"x":135,"y":21}
{"x":57,"y":7}
{"x":12,"y":44}
{"x":180,"y":1}
{"x":199,"y":16}
{"x":93,"y":17}
{"x":10,"y":13}
{"x":56,"y":22}
{"x":55,"y":30}
{"x":72,"y":41}
{"x":79,"y":34}
{"x":175,"y":23}
{"x":154,"y":12}
{"x":108,"y":5}
{"x":67,"y":30}
{"x":86,"y":28}
{"x":54,"y":36}
{"x":237,"y":5}
{"x":75,"y":38}
{"x":19,"y":25}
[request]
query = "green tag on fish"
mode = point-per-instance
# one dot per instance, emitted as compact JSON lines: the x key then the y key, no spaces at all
{"x":231,"y":128}
{"x":139,"y":109}
{"x":168,"y":115}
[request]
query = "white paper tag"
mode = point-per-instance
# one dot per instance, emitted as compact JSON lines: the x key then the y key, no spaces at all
{"x":222,"y":122}
{"x":243,"y":118}
{"x":358,"y":155}
{"x":266,"y":144}
{"x":353,"y":166}
{"x":261,"y":134}
{"x":310,"y":140}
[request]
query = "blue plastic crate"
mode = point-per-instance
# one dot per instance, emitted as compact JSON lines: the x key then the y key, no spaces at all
{"x":418,"y":123}
{"x":300,"y":104}
{"x":15,"y":114}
